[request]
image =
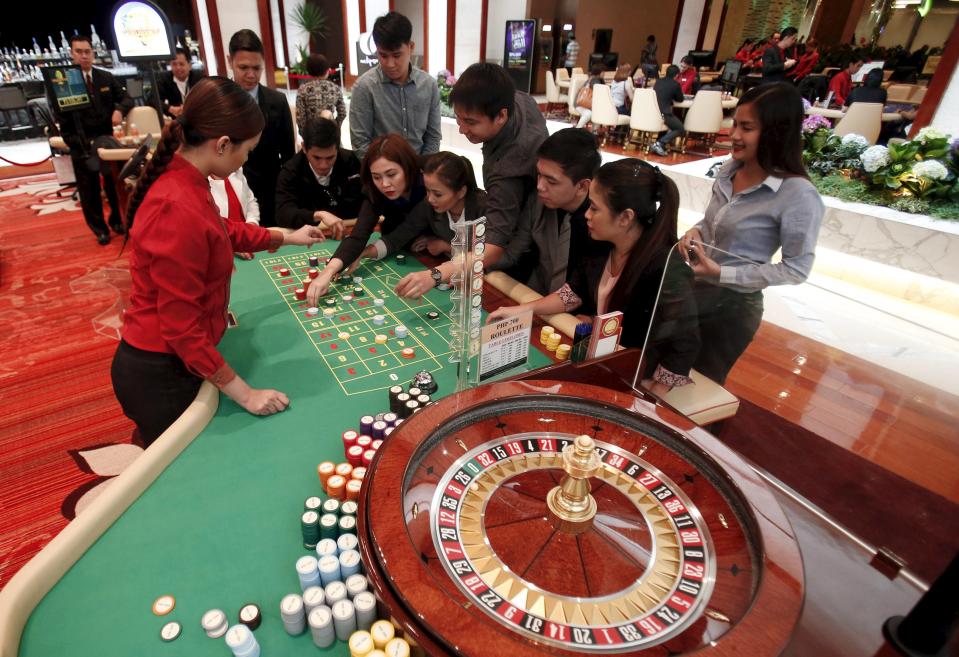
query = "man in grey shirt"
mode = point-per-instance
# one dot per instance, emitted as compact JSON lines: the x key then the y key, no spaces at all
{"x":508,"y":123}
{"x":394,"y":96}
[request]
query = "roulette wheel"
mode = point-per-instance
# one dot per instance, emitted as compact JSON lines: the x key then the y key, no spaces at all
{"x":545,"y":517}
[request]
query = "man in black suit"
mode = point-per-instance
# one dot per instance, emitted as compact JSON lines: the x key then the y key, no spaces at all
{"x":321,"y":184}
{"x":174,"y":85}
{"x":110,"y":103}
{"x":775,"y":61}
{"x":276,"y":141}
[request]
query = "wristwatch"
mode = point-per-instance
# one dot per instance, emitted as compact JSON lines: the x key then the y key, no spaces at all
{"x":437,"y":276}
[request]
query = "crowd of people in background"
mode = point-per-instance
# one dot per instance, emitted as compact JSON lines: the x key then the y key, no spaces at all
{"x":227,"y":179}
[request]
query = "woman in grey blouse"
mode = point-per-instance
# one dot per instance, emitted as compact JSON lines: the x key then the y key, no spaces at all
{"x":762,"y":201}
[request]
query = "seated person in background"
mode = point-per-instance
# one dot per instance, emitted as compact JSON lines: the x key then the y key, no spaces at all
{"x":745,"y":52}
{"x":621,"y":91}
{"x":174,"y":85}
{"x":508,"y":123}
{"x":777,"y":58}
{"x":639,"y":78}
{"x":320,"y":185}
{"x":565,"y":165}
{"x":391,"y":178}
{"x":319,"y":96}
{"x":235,"y":201}
{"x":688,"y":77}
{"x":584,"y":99}
{"x":807,"y":63}
{"x":870,"y":91}
{"x":668,"y":92}
{"x":452,"y":197}
{"x":841,"y":83}
{"x":623,"y":211}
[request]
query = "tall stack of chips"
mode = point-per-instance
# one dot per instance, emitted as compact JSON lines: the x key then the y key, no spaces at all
{"x":563,"y":351}
{"x":553,"y":341}
{"x":344,"y":619}
{"x":321,"y":626}
{"x":306,"y":569}
{"x":356,"y":584}
{"x":382,"y":632}
{"x":313,"y":597}
{"x":545,"y":333}
{"x":361,"y":644}
{"x":309,"y":523}
{"x":293,"y":615}
{"x":335,"y":591}
{"x":365,"y":605}
{"x":329,"y":567}
{"x":242,"y":642}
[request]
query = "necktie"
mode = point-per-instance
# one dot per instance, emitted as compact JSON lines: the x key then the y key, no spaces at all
{"x":234,"y":209}
{"x":89,"y":79}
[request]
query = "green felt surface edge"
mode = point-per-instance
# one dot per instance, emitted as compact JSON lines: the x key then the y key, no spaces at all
{"x":220,"y":527}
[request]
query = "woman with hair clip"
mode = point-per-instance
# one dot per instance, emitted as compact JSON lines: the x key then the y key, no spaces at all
{"x":762,"y":201}
{"x":634,"y":207}
{"x":451,"y":197}
{"x":181,"y":262}
{"x":391,"y":177}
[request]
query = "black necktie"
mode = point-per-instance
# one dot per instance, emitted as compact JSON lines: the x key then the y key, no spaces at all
{"x":89,"y":78}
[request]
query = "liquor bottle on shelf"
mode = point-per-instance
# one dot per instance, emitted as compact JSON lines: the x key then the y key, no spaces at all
{"x":97,"y":43}
{"x":64,"y":44}
{"x":51,"y":44}
{"x":36,"y":46}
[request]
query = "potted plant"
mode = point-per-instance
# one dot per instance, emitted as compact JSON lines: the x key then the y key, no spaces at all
{"x":312,"y":20}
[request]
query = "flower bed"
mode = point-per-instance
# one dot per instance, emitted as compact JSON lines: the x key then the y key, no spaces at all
{"x":920,"y":176}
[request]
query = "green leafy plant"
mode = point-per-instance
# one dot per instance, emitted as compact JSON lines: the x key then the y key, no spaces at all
{"x":300,"y":67}
{"x":312,"y":20}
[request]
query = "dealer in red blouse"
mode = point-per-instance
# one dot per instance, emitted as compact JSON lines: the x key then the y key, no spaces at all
{"x":182,"y":260}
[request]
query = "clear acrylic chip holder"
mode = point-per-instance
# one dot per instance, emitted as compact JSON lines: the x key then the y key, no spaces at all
{"x":468,"y":246}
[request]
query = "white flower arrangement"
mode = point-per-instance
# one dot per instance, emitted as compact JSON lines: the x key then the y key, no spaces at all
{"x":932,"y":169}
{"x":853,"y":139}
{"x":874,"y":158}
{"x":929,"y":133}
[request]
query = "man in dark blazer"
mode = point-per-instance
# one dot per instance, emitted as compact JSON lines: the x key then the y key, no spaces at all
{"x":276,"y":143}
{"x":322,"y":179}
{"x":110,"y":103}
{"x":775,"y":61}
{"x":175,"y":84}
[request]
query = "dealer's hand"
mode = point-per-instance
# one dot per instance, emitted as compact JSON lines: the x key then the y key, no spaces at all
{"x":415,"y":285}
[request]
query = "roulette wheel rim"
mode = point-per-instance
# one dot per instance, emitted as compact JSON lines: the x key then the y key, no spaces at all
{"x":414,"y":596}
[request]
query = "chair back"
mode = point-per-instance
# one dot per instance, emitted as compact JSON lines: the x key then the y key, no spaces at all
{"x":135,"y":88}
{"x":604,"y":112}
{"x":562,"y":75}
{"x":898,"y":93}
{"x":578,"y":70}
{"x":918,"y":95}
{"x":145,"y":118}
{"x":575,"y":84}
{"x":862,"y":119}
{"x":645,"y":115}
{"x":552,"y":91}
{"x":705,"y":116}
{"x":12,"y":98}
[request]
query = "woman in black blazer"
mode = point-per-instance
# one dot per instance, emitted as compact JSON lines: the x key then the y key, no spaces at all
{"x":624,"y":196}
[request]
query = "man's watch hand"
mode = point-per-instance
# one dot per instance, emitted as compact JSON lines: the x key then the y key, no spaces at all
{"x":437,"y":276}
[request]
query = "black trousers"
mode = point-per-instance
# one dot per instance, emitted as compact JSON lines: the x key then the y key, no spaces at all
{"x":87,"y":168}
{"x":728,"y":320}
{"x":676,"y":129}
{"x":153,"y":388}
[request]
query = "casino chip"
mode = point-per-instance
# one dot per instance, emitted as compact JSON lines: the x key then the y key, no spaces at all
{"x":358,"y":291}
{"x":250,"y":616}
{"x":343,"y":335}
{"x":401,"y":259}
{"x":431,"y":315}
{"x":347,"y":298}
{"x":170,"y":631}
{"x":378,"y":301}
{"x":443,"y":287}
{"x":164,"y":605}
{"x":330,"y":302}
{"x":408,"y":353}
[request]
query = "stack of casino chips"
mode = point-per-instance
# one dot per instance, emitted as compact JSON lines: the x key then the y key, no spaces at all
{"x":214,"y":623}
{"x":242,"y":642}
{"x":405,"y":403}
{"x":292,"y":611}
{"x":307,"y":568}
{"x":310,"y":522}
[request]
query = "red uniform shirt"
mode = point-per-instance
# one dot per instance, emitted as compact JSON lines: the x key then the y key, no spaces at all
{"x":841,"y":86}
{"x":180,"y":267}
{"x":686,"y":79}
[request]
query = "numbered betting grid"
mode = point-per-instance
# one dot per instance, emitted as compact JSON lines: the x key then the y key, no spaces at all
{"x":358,"y":362}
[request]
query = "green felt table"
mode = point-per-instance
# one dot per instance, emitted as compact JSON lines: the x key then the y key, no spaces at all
{"x":220,"y":526}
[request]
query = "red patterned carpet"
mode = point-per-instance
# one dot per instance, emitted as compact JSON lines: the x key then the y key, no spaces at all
{"x":61,"y":431}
